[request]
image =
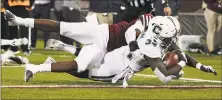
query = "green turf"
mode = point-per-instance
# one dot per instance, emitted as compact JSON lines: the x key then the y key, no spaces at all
{"x":110,"y":93}
{"x":14,"y":76}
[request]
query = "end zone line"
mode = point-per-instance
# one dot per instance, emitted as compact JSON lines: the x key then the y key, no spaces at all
{"x":112,"y":86}
{"x":184,"y":79}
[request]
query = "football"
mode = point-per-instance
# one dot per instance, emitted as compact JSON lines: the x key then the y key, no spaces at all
{"x":171,"y":59}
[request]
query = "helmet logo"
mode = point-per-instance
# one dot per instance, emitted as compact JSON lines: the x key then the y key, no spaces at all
{"x":157,"y":29}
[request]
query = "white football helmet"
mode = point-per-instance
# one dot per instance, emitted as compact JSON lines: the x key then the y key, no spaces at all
{"x":165,"y":28}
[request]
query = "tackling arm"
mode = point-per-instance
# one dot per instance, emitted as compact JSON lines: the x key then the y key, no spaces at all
{"x":133,"y":31}
{"x":159,"y":68}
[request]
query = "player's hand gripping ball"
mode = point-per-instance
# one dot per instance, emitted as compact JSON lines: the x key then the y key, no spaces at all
{"x":171,"y":59}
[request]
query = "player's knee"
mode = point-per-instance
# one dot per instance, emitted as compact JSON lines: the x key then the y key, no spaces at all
{"x":81,"y":67}
{"x":64,"y":28}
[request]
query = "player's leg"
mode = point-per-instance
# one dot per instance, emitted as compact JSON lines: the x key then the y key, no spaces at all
{"x":42,"y":24}
{"x":88,"y":55}
{"x":14,"y":42}
{"x":85,"y":33}
{"x":211,"y":19}
{"x":113,"y":64}
{"x":82,"y":32}
{"x":4,"y":30}
{"x":83,"y":74}
{"x":219,"y":26}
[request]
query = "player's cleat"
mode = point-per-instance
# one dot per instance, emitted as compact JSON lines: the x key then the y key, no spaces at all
{"x":24,"y":60}
{"x":30,"y":70}
{"x":28,"y":75}
{"x":11,"y":18}
{"x":55,"y":44}
{"x":15,"y":60}
{"x":49,"y":60}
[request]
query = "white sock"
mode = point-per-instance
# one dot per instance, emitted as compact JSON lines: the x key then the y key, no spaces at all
{"x":28,"y":22}
{"x":198,"y":65}
{"x":69,"y":48}
{"x":44,"y":68}
{"x":6,"y":42}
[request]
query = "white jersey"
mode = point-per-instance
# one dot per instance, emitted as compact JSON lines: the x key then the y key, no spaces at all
{"x":148,"y":46}
{"x":141,"y":25}
{"x":122,"y":63}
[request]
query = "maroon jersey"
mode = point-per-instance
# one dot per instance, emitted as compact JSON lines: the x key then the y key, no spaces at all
{"x":117,"y":35}
{"x":117,"y":32}
{"x":145,"y":19}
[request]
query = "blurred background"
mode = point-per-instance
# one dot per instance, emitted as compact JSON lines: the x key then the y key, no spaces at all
{"x":191,"y":14}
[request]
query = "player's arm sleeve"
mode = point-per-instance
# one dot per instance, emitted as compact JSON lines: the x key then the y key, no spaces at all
{"x":190,"y":61}
{"x":132,"y":31}
{"x":162,"y":77}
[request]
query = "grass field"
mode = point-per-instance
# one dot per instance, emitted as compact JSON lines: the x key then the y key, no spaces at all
{"x":13,"y":76}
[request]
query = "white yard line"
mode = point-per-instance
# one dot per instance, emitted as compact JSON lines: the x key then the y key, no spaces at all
{"x":65,"y":56}
{"x":37,"y":54}
{"x":153,"y":76}
{"x":13,"y":66}
{"x":112,"y":86}
{"x":184,"y":79}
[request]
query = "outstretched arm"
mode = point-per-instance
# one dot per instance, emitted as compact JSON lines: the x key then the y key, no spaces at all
{"x":134,"y":31}
{"x":190,"y":61}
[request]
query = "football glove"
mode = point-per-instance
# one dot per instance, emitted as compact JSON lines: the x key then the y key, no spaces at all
{"x":208,"y":69}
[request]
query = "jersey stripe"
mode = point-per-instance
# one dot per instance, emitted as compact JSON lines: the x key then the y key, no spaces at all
{"x":145,"y":20}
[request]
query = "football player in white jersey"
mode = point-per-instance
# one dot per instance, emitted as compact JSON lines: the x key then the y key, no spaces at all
{"x":75,"y":32}
{"x":146,"y":51}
